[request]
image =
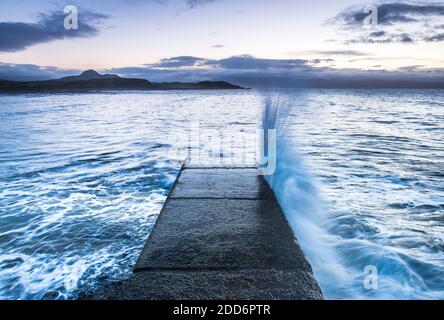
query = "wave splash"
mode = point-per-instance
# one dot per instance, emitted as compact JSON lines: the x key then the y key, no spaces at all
{"x":339,"y":261}
{"x":296,"y":192}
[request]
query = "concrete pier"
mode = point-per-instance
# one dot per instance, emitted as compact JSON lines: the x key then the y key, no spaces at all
{"x":221,"y":235}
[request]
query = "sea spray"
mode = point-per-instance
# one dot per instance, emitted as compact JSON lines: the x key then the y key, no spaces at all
{"x":354,"y":252}
{"x":297,"y":194}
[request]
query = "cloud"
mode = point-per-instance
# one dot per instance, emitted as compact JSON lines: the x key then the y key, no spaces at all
{"x":196,"y":3}
{"x":250,"y":71}
{"x":16,"y":36}
{"x":383,"y":37}
{"x":189,"y":68}
{"x":29,"y":72}
{"x":242,"y":62}
{"x":247,"y":62}
{"x":398,"y":22}
{"x":391,"y":13}
{"x":378,"y":34}
{"x":339,"y":52}
{"x":435,"y":38}
{"x":411,"y":68}
{"x":178,"y":62}
{"x":318,"y":61}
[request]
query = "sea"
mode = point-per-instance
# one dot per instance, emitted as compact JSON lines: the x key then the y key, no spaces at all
{"x":359,"y":175}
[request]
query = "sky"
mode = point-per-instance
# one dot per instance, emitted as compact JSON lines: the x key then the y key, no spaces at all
{"x":244,"y":41}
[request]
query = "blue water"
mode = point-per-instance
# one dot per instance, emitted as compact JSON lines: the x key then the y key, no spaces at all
{"x":83,"y":178}
{"x":360,"y":177}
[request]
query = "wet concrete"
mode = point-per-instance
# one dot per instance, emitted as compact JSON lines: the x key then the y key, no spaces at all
{"x":220,"y":235}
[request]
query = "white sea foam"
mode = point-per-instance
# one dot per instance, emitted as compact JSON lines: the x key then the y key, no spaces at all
{"x":339,"y":247}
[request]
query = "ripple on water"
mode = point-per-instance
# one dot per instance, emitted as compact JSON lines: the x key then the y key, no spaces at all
{"x":83,"y":178}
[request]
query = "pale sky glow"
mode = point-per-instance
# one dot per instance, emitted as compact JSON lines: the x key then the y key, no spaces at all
{"x":138,"y":32}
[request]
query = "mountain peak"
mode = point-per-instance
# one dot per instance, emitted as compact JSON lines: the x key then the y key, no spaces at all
{"x":90,"y":75}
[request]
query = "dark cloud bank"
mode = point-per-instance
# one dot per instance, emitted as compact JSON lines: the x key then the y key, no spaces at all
{"x":17,"y":36}
{"x":251,"y":72}
{"x":256,"y":72}
{"x":426,"y":20}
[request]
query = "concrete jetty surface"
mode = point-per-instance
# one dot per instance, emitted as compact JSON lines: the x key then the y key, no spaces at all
{"x":221,"y":235}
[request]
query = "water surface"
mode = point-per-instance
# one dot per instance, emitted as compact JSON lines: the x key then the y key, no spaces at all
{"x":83,"y":178}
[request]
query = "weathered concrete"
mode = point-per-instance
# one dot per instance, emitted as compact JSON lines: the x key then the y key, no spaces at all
{"x":220,"y":235}
{"x":214,"y":285}
{"x":221,"y":184}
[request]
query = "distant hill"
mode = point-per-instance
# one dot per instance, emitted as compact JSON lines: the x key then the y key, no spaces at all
{"x":91,"y":80}
{"x":90,"y":75}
